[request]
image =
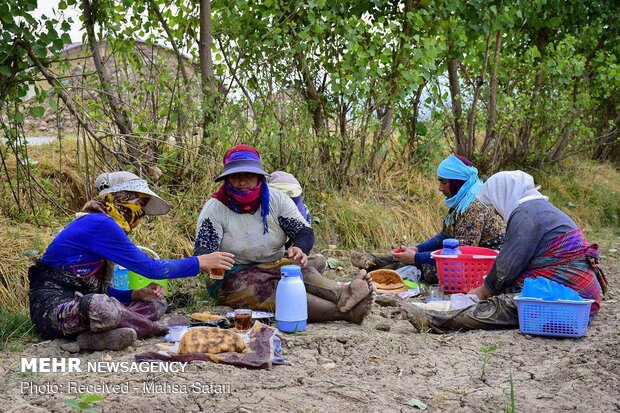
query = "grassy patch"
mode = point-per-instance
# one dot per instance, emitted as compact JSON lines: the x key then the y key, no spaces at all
{"x":588,"y":192}
{"x":401,"y":206}
{"x":15,"y":327}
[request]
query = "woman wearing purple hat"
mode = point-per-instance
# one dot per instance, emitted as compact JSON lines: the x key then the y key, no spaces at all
{"x":70,"y":293}
{"x":248,"y":220}
{"x":468,"y":220}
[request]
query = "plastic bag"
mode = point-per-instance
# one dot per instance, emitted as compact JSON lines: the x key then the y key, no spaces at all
{"x":410,"y":272}
{"x":460,"y":300}
{"x":540,"y":287}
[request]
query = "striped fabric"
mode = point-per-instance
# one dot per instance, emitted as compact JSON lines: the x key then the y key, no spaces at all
{"x":567,"y":260}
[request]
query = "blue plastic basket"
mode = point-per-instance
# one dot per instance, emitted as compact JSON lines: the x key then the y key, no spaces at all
{"x":562,"y":318}
{"x":120,"y":279}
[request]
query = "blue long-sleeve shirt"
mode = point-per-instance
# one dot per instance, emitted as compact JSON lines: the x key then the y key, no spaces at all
{"x":423,"y":256}
{"x":83,"y":245}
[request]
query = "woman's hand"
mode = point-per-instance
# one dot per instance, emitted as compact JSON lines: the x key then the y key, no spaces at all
{"x":218,"y":259}
{"x":407,"y":256}
{"x":295,"y":253}
{"x":483,"y":292}
{"x":152,"y":291}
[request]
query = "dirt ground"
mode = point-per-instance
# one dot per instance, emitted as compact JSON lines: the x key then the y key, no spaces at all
{"x":339,"y":367}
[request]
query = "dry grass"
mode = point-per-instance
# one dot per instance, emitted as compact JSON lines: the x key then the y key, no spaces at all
{"x":402,"y":206}
{"x":19,"y":243}
{"x":589,"y":192}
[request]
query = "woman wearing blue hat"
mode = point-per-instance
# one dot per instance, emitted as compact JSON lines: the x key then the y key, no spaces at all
{"x":468,"y":220}
{"x":248,"y":219}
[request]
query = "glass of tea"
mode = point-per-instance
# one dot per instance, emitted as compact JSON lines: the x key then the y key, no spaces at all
{"x":243,"y":319}
{"x":216,"y":273}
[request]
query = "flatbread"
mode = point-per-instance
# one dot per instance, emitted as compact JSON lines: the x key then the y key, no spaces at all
{"x":206,"y":316}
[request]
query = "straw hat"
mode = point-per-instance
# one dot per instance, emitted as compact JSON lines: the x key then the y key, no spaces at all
{"x":110,"y":182}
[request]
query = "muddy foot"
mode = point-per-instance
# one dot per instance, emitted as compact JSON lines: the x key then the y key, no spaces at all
{"x":361,"y":260}
{"x":363,"y":309}
{"x":117,"y":339}
{"x":355,"y":292}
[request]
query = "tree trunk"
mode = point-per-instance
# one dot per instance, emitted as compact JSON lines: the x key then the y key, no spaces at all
{"x":413,"y":121}
{"x":315,"y":105}
{"x":525,"y":131}
{"x":471,"y":117}
{"x":206,"y":73}
{"x":457,"y":109}
{"x":181,"y":68}
{"x":119,"y":115}
{"x":489,"y":137}
{"x":608,"y":144}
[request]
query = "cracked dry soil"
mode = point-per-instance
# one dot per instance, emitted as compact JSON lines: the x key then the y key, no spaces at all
{"x":378,"y":366}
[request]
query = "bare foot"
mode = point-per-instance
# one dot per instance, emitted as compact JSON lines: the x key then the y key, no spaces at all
{"x":355,"y":292}
{"x":361,"y":260}
{"x":362,"y":309}
{"x":117,"y":339}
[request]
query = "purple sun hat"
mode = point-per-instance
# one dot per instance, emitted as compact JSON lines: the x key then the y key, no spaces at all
{"x":241,"y":158}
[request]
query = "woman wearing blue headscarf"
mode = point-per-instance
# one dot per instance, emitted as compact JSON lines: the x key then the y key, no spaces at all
{"x":468,"y":220}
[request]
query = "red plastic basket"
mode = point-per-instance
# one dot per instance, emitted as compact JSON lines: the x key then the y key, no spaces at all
{"x":461,"y":273}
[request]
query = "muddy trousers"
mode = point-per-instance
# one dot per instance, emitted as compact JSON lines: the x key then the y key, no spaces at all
{"x":255,"y":288}
{"x":498,"y":312}
{"x":100,"y":312}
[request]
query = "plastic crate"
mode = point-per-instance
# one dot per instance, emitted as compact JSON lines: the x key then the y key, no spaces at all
{"x":562,"y":318}
{"x":466,"y":271}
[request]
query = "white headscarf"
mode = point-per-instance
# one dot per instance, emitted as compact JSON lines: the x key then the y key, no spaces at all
{"x":506,"y":190}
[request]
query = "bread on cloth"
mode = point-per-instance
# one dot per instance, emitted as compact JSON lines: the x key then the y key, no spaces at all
{"x":388,"y":281}
{"x":206,"y":316}
{"x":211,"y":341}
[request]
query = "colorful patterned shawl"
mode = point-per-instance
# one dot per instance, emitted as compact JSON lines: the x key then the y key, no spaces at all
{"x":571,"y":261}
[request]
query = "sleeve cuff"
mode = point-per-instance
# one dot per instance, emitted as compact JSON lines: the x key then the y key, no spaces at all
{"x":423,"y":258}
{"x":489,"y":284}
{"x":124,"y":296}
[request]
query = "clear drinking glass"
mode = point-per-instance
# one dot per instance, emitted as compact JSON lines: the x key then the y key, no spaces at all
{"x":243,"y":319}
{"x":436,"y":292}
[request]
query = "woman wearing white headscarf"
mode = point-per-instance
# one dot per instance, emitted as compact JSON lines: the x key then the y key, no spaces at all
{"x":541,"y":241}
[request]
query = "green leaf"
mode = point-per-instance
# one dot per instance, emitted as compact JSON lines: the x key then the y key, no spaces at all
{"x":421,"y":129}
{"x":5,"y":70}
{"x":92,"y":398}
{"x":18,"y":117}
{"x":416,"y":403}
{"x":72,"y":403}
{"x":37,"y":111}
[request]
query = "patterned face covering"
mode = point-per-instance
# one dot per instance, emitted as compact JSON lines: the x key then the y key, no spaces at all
{"x":125,"y":208}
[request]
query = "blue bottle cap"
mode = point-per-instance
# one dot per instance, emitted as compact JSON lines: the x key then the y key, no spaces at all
{"x":450,"y":243}
{"x":290,"y":270}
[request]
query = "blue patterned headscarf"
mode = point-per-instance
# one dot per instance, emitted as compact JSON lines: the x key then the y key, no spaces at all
{"x":453,"y":168}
